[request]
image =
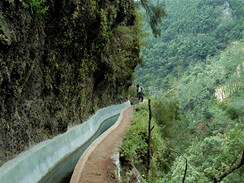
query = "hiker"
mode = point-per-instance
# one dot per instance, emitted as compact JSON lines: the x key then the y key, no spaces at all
{"x":139,"y":92}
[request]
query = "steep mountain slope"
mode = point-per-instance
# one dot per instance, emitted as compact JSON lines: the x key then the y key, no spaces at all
{"x":59,"y":61}
{"x":211,"y":133}
{"x":197,"y":126}
{"x":195,"y":70}
{"x":192,"y":31}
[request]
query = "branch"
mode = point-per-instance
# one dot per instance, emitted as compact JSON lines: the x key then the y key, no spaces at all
{"x":232,"y":169}
{"x":147,"y":6}
{"x":184,"y":178}
{"x":185,"y":171}
{"x":155,"y":12}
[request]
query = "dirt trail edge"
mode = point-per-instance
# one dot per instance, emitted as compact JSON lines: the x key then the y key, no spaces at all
{"x":97,"y":165}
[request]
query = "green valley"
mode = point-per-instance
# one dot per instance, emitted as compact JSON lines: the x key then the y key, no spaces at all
{"x":195,"y":73}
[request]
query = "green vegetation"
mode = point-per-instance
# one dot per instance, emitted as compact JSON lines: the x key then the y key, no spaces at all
{"x":134,"y":148}
{"x":212,"y":135}
{"x":191,"y":32}
{"x":195,"y":70}
{"x":200,"y":126}
{"x":36,"y":7}
{"x":61,"y":61}
{"x":166,"y":117}
{"x":155,"y":12}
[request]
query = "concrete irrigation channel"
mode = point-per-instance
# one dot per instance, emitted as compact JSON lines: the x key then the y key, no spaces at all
{"x":54,"y":160}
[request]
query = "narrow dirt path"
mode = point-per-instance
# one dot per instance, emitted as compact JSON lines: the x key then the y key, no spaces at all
{"x":96,"y":165}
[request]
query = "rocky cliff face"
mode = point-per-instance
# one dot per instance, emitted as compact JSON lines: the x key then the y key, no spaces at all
{"x":59,"y":61}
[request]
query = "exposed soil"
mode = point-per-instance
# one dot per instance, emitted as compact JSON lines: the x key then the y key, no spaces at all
{"x":97,"y":163}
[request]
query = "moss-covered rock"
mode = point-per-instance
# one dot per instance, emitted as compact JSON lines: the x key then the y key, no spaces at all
{"x":61,"y":65}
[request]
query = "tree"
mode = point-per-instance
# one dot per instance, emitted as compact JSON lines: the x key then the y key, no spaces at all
{"x":155,"y":12}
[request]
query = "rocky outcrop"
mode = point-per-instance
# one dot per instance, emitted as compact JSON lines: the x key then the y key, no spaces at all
{"x":59,"y":61}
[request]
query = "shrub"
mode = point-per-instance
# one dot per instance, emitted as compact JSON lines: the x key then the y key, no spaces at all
{"x":36,"y":7}
{"x":166,"y":114}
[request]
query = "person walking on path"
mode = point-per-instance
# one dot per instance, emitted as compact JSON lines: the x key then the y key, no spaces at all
{"x":139,"y":93}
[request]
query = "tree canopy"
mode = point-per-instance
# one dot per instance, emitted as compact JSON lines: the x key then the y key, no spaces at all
{"x":192,"y":31}
{"x":155,"y":12}
{"x":195,"y":71}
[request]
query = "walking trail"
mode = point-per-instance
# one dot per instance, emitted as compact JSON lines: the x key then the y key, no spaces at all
{"x":97,"y":164}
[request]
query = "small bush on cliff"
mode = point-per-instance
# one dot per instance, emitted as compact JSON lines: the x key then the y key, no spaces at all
{"x":36,"y":7}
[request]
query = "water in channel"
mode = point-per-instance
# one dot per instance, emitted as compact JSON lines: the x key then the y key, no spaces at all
{"x":63,"y":171}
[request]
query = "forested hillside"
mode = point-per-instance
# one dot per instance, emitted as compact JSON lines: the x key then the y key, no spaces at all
{"x":192,"y":31}
{"x":211,"y":98}
{"x":195,"y":72}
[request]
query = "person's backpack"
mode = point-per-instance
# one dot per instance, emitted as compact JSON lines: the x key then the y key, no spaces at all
{"x":140,"y":89}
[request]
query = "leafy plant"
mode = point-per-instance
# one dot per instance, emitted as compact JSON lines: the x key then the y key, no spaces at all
{"x":134,"y":147}
{"x":36,"y":7}
{"x":167,"y":114}
{"x":155,"y":13}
